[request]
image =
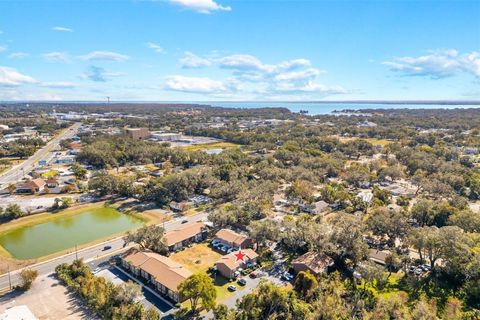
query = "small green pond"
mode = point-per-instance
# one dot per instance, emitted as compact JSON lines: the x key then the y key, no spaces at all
{"x":59,"y":234}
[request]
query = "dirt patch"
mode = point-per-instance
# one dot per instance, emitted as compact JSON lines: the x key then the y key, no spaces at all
{"x":47,"y":299}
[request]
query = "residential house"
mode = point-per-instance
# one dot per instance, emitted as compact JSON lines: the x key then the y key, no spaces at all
{"x":180,"y":206}
{"x":233,"y":239}
{"x":162,"y":273}
{"x":182,"y":236}
{"x":315,"y":263}
{"x":378,"y":256}
{"x":51,"y":183}
{"x":31,"y":186}
{"x":229,"y":265}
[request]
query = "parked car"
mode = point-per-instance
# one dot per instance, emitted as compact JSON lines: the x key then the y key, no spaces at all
{"x":412,"y":269}
{"x":287,"y":276}
{"x":242,"y":281}
{"x":418,"y":271}
{"x":184,"y":221}
{"x":253,"y":275}
{"x":425,"y":267}
{"x":215,"y":242}
{"x":232,"y":288}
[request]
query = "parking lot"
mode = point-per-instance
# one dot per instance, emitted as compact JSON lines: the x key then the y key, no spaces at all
{"x":105,"y":269}
{"x":47,"y":299}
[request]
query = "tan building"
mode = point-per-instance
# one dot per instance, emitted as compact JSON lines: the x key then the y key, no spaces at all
{"x":182,"y":236}
{"x":228,"y":264}
{"x":137,"y":133}
{"x":163,"y":273}
{"x":313,"y":262}
{"x":32,"y":186}
{"x":233,"y":239}
{"x":378,"y":256}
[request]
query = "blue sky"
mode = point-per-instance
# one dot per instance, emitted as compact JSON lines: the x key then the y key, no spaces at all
{"x":203,"y":50}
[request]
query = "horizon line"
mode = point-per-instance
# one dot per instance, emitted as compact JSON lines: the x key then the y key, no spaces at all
{"x":426,"y":102}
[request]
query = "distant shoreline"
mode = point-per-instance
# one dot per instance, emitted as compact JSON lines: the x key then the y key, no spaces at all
{"x":398,"y":102}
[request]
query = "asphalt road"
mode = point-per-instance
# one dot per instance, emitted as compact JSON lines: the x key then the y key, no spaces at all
{"x":14,"y":174}
{"x":90,"y":254}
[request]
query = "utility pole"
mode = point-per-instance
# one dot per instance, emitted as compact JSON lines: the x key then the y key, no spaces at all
{"x":108,"y":105}
{"x":9,"y":278}
{"x":76,"y":253}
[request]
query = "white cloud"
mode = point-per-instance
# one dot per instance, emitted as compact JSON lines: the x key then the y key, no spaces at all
{"x":191,"y":60}
{"x":62,"y":29}
{"x":3,"y":48}
{"x":18,"y":55}
{"x":471,"y":63}
{"x":154,"y":46}
{"x":201,"y":6}
{"x":194,"y":84}
{"x":243,"y":62}
{"x":250,"y":76}
{"x":105,"y":55}
{"x":59,"y":85}
{"x":438,"y":64}
{"x":56,"y":56}
{"x":11,"y":77}
{"x":310,"y":73}
{"x":294,"y":64}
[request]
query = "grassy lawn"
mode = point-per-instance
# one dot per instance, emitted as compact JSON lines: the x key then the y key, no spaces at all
{"x":198,"y":258}
{"x":50,"y":174}
{"x":378,"y":142}
{"x":215,"y":145}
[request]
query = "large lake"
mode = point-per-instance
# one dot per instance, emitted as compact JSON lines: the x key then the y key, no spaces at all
{"x":65,"y":232}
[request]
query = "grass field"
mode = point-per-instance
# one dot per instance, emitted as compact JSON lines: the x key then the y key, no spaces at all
{"x":198,"y":259}
{"x":374,"y":141}
{"x":12,"y":162}
{"x":216,"y":145}
{"x":379,"y":142}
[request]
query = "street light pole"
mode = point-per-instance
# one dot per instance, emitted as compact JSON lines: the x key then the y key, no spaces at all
{"x":76,"y":253}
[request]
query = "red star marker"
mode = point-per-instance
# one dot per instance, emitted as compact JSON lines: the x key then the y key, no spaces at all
{"x":239,"y":255}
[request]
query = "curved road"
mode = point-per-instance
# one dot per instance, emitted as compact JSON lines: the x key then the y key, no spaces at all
{"x":91,"y":253}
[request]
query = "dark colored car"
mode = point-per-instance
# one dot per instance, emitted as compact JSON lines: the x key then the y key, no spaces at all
{"x":242,"y":282}
{"x":107,"y":248}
